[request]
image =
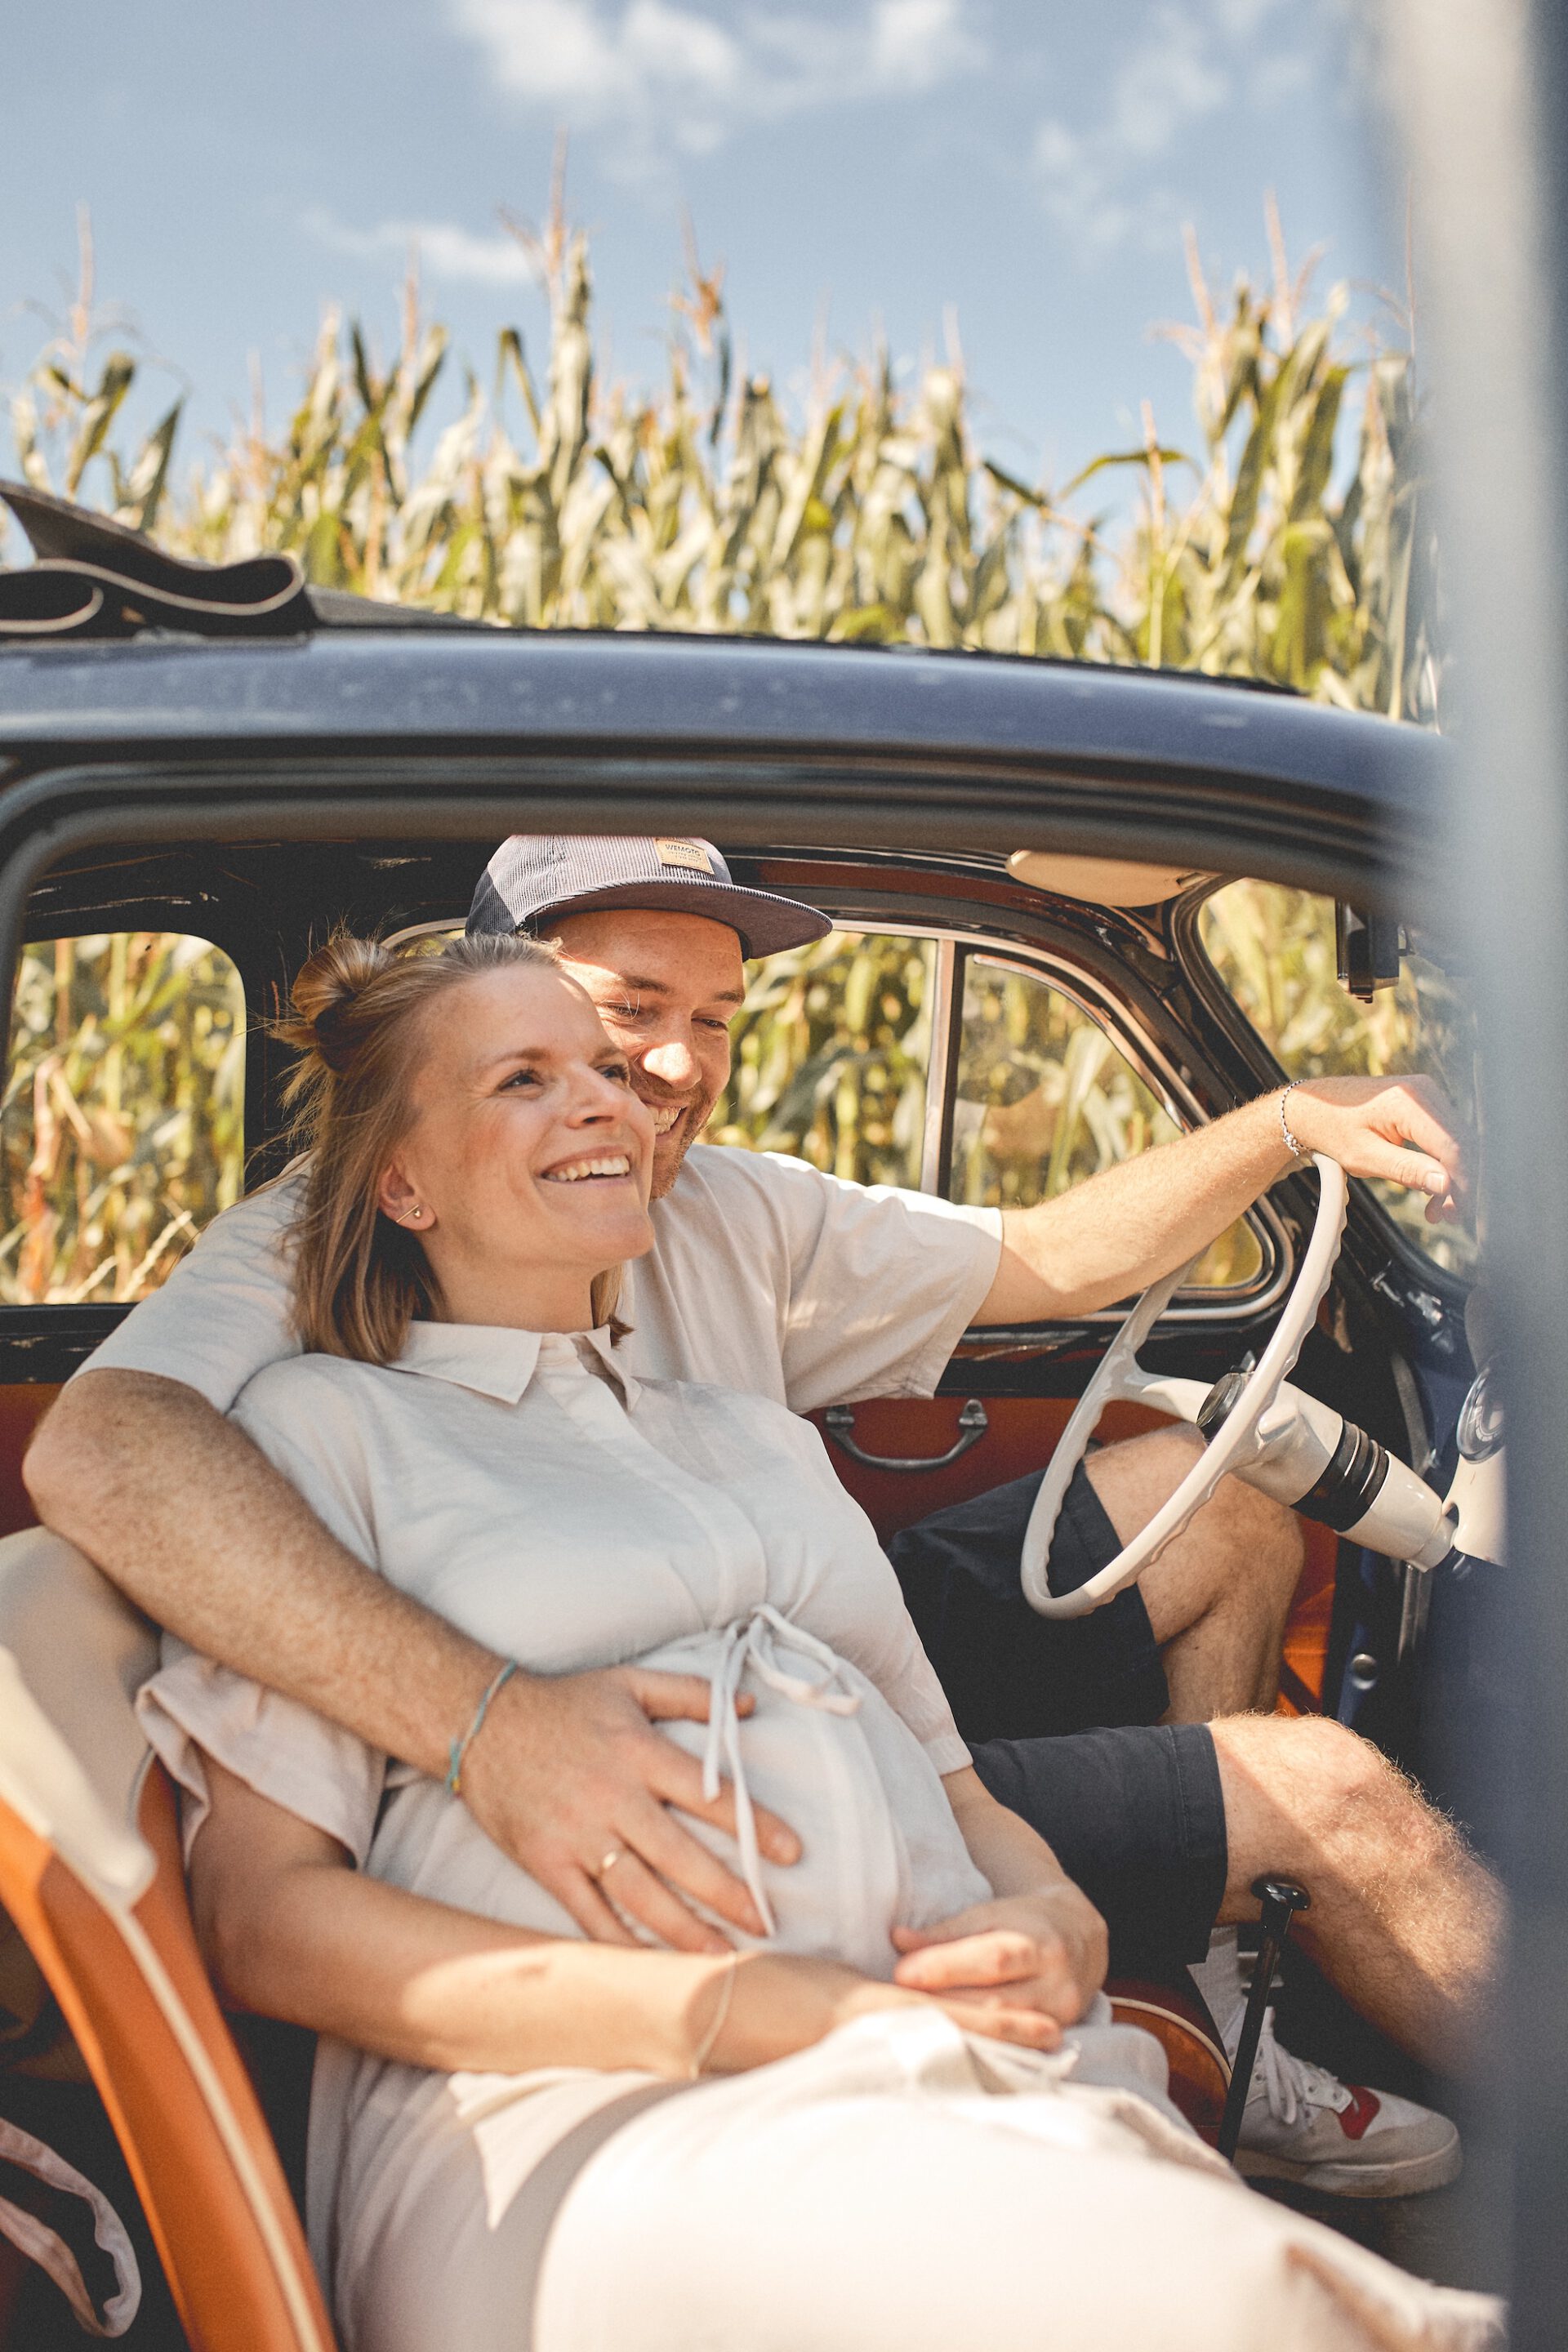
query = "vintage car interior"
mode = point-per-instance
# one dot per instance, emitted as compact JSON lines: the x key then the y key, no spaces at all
{"x":1073,"y":915}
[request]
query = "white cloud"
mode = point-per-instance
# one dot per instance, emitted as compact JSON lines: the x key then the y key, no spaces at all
{"x":1241,"y":19}
{"x":445,"y":251}
{"x":1106,"y":180}
{"x":1171,"y":80}
{"x":564,"y":53}
{"x":916,"y":44}
{"x":675,"y":75}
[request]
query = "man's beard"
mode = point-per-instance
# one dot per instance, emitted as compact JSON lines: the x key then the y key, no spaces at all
{"x":685,"y":1133}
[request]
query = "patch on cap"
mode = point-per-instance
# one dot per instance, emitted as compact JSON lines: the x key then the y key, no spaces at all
{"x":689,"y":853}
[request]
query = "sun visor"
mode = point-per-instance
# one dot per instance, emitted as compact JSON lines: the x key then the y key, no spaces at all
{"x":1103,"y":881}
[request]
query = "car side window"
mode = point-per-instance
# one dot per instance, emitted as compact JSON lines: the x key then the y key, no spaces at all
{"x":1273,"y":950}
{"x":1044,"y":1097}
{"x":831,"y":1053}
{"x":122,"y":1123}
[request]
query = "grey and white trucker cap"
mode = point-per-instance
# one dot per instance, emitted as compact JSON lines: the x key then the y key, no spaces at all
{"x":535,"y":876}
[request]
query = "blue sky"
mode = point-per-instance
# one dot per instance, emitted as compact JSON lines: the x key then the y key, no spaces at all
{"x":1024,"y":166}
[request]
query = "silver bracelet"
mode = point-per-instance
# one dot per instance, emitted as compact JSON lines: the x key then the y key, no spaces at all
{"x":1291,"y":1145}
{"x":710,"y":2041}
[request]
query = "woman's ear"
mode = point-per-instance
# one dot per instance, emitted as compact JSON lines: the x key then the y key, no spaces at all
{"x":396,"y":1198}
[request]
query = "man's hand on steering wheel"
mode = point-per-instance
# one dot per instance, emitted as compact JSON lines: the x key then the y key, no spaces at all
{"x":1404,"y":1129}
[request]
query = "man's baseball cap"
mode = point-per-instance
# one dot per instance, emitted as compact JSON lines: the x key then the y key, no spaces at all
{"x":534,"y":877}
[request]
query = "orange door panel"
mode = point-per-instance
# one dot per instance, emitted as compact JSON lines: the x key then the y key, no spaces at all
{"x":1022,"y":1436}
{"x":22,"y":1405}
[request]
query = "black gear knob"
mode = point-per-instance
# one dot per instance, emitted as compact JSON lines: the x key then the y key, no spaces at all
{"x":1281,"y":1898}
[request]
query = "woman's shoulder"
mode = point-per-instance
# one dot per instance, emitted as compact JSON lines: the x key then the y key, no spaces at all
{"x":315,"y":1418}
{"x":298,"y":1390}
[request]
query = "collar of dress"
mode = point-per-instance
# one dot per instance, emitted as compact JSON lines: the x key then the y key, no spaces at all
{"x":500,"y":1362}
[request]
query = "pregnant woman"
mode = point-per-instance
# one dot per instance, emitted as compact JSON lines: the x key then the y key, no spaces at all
{"x":893,"y":2113}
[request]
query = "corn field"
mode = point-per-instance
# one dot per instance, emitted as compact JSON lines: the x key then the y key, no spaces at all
{"x":121,"y":1126}
{"x":830,"y":1057}
{"x":555,"y":500}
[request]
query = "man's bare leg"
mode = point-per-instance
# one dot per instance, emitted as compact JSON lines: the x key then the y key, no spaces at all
{"x":1219,"y":1595}
{"x":1404,"y":1920}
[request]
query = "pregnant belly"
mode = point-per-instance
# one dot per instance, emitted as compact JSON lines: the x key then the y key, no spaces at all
{"x":822,"y":1749}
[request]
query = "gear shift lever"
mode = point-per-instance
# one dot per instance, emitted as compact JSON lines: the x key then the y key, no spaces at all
{"x":1281,"y":1899}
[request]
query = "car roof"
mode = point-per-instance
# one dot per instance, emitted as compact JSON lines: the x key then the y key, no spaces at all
{"x":490,"y":688}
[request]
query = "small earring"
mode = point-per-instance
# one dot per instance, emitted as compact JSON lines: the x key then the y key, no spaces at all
{"x":415,"y":1214}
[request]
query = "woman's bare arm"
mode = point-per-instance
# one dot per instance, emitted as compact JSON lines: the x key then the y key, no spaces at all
{"x":289,"y":1928}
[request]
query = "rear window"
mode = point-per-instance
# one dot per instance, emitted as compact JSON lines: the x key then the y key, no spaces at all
{"x":831,"y":1055}
{"x":1045,"y":1098}
{"x":122,"y":1126}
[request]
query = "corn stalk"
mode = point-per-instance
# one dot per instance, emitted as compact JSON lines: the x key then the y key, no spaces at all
{"x":121,"y":1126}
{"x":554,"y":501}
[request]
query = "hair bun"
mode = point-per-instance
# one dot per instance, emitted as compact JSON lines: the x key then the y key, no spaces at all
{"x":325,"y":989}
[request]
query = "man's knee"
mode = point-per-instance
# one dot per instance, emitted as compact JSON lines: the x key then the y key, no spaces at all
{"x":1239,"y":1560}
{"x":1305,"y":1764}
{"x":1136,"y":1478}
{"x":1238,"y":1524}
{"x":1303,"y":1792}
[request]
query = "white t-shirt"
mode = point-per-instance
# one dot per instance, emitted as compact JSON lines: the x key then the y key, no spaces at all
{"x":766,"y":1275}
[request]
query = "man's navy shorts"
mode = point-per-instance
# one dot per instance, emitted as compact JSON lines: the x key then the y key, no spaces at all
{"x":1063,"y":1716}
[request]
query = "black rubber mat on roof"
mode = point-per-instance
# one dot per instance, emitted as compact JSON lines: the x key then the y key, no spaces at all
{"x":94,"y":578}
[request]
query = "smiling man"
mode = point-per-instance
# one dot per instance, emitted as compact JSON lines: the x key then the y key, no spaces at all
{"x":770,"y":1276}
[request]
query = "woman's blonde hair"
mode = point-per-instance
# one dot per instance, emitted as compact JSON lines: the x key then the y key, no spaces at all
{"x":358,"y":1016}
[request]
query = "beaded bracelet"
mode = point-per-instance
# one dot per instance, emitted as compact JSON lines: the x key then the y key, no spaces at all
{"x":460,"y":1747}
{"x":1290,"y":1143}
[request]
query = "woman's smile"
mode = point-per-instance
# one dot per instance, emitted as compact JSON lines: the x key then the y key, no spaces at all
{"x":609,"y":1166}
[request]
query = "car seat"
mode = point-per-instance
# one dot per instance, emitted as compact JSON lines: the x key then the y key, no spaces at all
{"x":90,"y":1874}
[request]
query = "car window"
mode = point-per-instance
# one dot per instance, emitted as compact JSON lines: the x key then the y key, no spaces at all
{"x":1274,"y":951}
{"x":1045,"y":1097}
{"x":123,"y":1124}
{"x":830,"y":1057}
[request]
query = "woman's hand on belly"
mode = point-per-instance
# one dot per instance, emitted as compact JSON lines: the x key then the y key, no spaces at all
{"x":1039,"y":1942}
{"x":1043,"y":1951}
{"x":781,"y":2003}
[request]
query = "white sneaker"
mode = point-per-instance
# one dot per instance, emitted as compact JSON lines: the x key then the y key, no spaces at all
{"x":1303,"y":2125}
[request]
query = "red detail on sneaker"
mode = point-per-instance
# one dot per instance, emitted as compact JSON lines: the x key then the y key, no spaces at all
{"x":1364,"y":2107}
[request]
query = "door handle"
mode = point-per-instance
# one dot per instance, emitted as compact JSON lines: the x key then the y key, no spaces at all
{"x":973,"y":1425}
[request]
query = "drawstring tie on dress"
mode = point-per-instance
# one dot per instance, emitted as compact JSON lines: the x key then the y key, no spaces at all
{"x":751,"y":1644}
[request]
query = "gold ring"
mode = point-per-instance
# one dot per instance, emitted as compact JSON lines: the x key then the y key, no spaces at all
{"x":616,"y":1853}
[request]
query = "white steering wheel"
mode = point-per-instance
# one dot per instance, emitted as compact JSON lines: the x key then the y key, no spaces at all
{"x":1235,"y":1444}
